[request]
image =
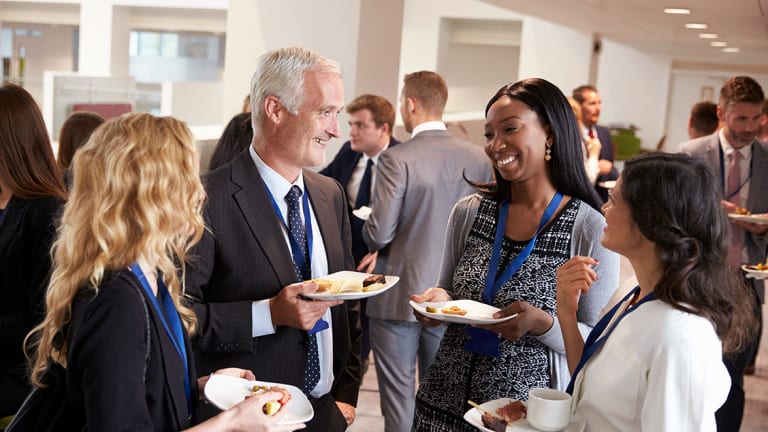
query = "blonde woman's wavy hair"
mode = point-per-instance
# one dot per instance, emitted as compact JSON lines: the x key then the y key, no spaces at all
{"x":136,"y":192}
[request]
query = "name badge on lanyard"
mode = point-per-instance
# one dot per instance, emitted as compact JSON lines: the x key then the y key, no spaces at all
{"x":484,"y":341}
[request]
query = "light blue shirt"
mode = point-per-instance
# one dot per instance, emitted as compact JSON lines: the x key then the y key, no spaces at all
{"x":261,"y":319}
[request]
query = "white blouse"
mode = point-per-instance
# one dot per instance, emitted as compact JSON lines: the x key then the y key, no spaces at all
{"x":660,"y":370}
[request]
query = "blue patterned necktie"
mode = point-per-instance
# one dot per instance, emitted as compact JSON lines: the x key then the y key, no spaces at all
{"x":297,"y":231}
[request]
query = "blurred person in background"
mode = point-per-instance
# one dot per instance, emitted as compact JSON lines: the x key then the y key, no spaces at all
{"x":591,"y":105}
{"x":31,"y":194}
{"x":703,"y":120}
{"x":237,"y":136}
{"x":592,"y":146}
{"x":75,"y":131}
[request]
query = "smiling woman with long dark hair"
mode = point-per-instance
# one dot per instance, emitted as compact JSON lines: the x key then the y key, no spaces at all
{"x":503,"y":246}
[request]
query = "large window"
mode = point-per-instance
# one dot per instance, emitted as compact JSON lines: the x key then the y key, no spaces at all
{"x":165,"y":56}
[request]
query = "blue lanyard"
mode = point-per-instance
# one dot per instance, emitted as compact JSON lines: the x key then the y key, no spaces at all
{"x":730,"y":194}
{"x":492,"y":283}
{"x":296,"y":252}
{"x":175,"y":331}
{"x":593,"y":343}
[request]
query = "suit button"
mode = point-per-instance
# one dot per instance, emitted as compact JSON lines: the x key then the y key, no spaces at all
{"x":303,"y":345}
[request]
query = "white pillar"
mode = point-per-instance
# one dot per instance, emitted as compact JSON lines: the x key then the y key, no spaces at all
{"x":244,"y":44}
{"x":378,"y":48}
{"x":104,"y":35}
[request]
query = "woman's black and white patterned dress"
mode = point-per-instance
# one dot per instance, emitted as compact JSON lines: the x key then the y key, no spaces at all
{"x":457,"y":375}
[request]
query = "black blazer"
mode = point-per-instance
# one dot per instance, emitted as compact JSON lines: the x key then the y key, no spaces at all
{"x":244,"y":258}
{"x":27,"y":230}
{"x":341,"y":168}
{"x":111,"y":384}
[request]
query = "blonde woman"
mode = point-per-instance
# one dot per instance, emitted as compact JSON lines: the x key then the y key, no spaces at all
{"x":133,"y":214}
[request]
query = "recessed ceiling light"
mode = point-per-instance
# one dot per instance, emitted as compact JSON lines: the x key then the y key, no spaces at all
{"x":718,"y":44}
{"x":677,"y":11}
{"x":709,"y":35}
{"x":731,"y":50}
{"x":697,"y":26}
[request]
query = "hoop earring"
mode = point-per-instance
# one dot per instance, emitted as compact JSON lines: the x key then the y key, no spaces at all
{"x":548,"y":152}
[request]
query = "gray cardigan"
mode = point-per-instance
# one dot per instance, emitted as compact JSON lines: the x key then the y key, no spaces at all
{"x":585,"y":241}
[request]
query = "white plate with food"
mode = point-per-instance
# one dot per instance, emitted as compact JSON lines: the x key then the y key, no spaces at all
{"x":759,"y":219}
{"x":226,"y":391}
{"x":460,"y":311}
{"x":758,"y":271}
{"x":351,"y":285}
{"x":608,"y":184}
{"x":474,"y":417}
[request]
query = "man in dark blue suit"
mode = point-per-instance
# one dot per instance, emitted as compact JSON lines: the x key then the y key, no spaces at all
{"x":371,"y":120}
{"x":590,"y":101}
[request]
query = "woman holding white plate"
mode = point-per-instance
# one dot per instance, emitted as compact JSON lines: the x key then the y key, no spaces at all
{"x":116,"y":317}
{"x":502,"y":248}
{"x":654,"y":361}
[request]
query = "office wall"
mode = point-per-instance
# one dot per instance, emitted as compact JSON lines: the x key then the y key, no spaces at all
{"x":556,"y":53}
{"x":634,"y":88}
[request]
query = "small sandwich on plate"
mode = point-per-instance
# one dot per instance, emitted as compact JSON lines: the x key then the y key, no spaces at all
{"x":331,"y":286}
{"x":271,"y":407}
{"x":453,"y":310}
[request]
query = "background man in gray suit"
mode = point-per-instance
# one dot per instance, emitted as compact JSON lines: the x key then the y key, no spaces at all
{"x":741,"y":161}
{"x":417,"y":184}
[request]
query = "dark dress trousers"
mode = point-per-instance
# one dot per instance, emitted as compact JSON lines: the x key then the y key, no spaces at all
{"x":112,"y":384}
{"x":27,"y":229}
{"x":245,"y":258}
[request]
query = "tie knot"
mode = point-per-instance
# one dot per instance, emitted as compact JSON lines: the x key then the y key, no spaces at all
{"x":591,"y":133}
{"x":735,"y":156}
{"x":369,"y":164}
{"x":293,"y":195}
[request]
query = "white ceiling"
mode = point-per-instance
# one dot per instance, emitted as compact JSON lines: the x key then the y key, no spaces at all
{"x":642,"y":24}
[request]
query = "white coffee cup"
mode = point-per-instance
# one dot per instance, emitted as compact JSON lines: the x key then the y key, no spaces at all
{"x":549,"y":410}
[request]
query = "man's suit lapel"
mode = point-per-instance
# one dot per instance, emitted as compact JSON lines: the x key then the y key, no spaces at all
{"x":253,"y":200}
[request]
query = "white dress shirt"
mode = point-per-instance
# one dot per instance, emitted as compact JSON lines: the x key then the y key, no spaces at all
{"x":278,"y":186}
{"x":430,"y":125}
{"x":353,"y":185}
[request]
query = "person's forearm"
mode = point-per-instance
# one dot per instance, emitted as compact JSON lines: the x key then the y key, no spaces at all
{"x":574,"y":343}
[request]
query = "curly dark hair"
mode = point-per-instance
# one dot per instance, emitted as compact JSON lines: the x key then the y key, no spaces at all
{"x":566,"y":168}
{"x":674,"y":200}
